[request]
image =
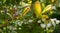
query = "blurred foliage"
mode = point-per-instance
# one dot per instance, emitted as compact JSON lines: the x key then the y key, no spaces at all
{"x":29,"y":16}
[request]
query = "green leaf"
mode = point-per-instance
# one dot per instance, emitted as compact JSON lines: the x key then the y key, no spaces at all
{"x":4,"y":1}
{"x":1,"y":21}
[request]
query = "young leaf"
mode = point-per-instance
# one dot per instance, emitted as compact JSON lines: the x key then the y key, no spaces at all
{"x":37,"y":9}
{"x":25,"y":11}
{"x":47,"y":8}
